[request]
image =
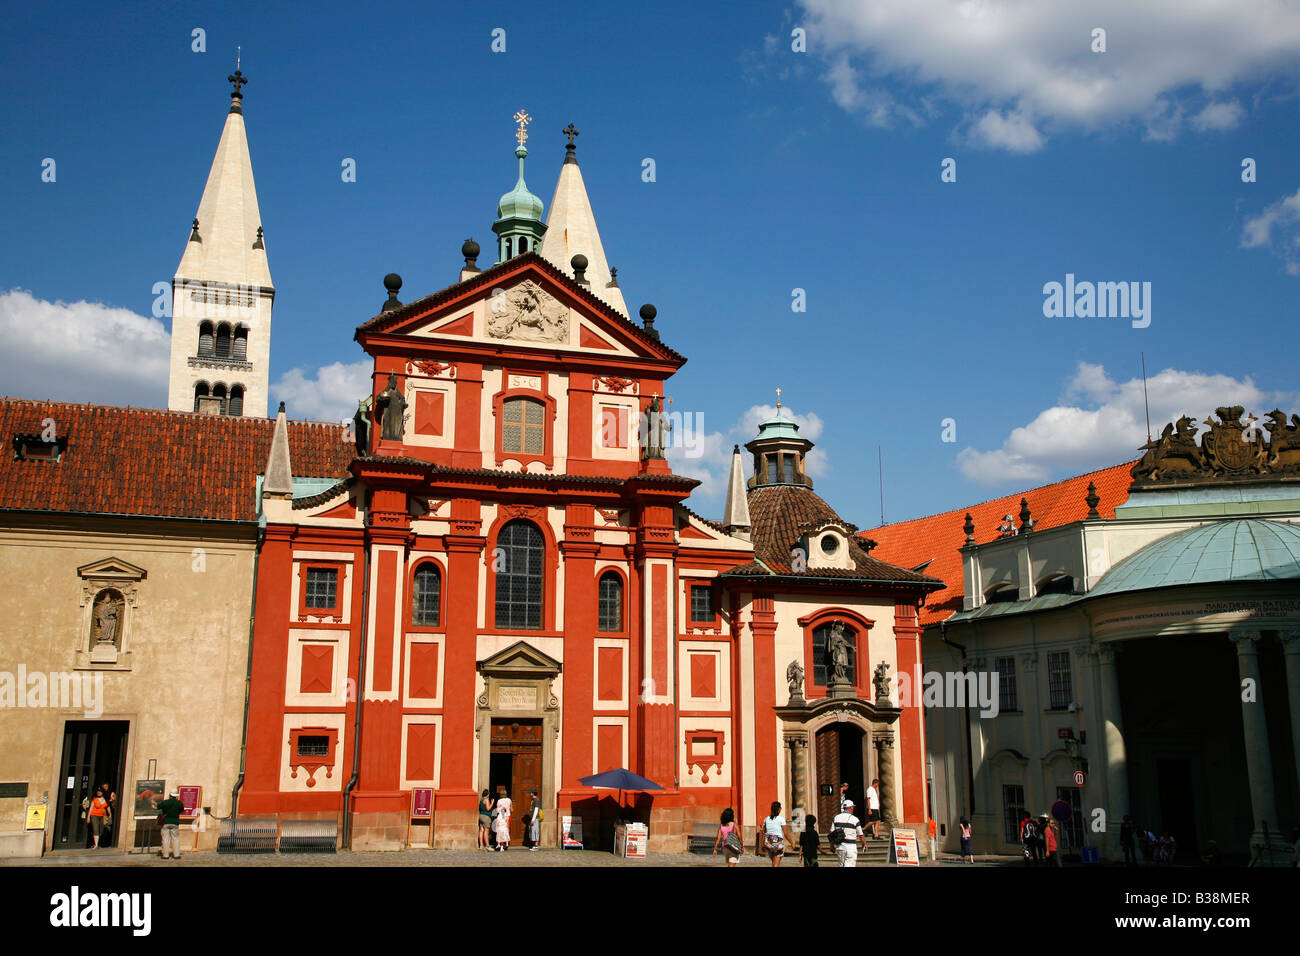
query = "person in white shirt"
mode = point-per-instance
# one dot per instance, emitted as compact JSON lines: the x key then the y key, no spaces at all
{"x":873,"y":807}
{"x":775,"y":835}
{"x":852,"y":829}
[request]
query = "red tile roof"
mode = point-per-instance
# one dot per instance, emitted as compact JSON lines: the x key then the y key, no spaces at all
{"x":144,"y":461}
{"x":779,"y":514}
{"x":939,"y":537}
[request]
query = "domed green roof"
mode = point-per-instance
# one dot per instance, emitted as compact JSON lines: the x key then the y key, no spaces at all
{"x":1242,"y":549}
{"x":519,"y":203}
{"x":778,"y":426}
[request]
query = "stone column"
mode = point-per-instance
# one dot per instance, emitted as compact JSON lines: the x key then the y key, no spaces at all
{"x":884,"y":741}
{"x":1115,"y":753}
{"x":798,"y":745}
{"x":1259,"y":765}
{"x":1291,"y":648}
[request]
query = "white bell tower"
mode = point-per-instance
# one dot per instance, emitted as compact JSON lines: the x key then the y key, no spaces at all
{"x":222,"y":293}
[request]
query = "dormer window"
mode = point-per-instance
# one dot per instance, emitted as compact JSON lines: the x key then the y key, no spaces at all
{"x":37,"y":448}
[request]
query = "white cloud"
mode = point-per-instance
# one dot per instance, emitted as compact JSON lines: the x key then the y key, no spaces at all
{"x":710,"y":460}
{"x":331,"y":396}
{"x":82,"y":352}
{"x":1073,"y":438}
{"x":1017,"y":67}
{"x":1277,"y":228}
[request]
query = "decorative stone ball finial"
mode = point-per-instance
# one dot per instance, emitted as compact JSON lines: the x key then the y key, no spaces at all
{"x":282,"y":408}
{"x":969,"y":528}
{"x":1026,"y":522}
{"x":648,"y":313}
{"x":470,"y":251}
{"x":579,"y":264}
{"x":393,"y":283}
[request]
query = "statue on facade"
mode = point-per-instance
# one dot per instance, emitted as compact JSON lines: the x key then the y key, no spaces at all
{"x":392,"y":408}
{"x":794,"y":679}
{"x":882,"y":681}
{"x":837,"y":650}
{"x":654,"y":430}
{"x":108,"y":613}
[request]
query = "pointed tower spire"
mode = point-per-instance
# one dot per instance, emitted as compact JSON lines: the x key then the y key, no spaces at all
{"x":222,"y":291}
{"x":519,"y":225}
{"x":571,"y":230}
{"x":735,"y":517}
{"x":278,"y":480}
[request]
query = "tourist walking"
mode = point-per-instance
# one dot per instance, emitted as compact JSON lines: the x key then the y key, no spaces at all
{"x":967,"y":841}
{"x":98,"y":812}
{"x":846,"y":833}
{"x":809,"y":841}
{"x":873,"y":808}
{"x":1028,"y":838}
{"x":169,"y":812}
{"x":501,"y":822}
{"x":729,"y":838}
{"x":775,"y":835}
{"x":1126,"y":834}
{"x":1052,"y":842}
{"x":485,"y":821}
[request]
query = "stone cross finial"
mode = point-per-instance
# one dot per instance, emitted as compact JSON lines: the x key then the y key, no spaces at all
{"x":570,"y":131}
{"x":238,"y":79}
{"x":523,"y":119}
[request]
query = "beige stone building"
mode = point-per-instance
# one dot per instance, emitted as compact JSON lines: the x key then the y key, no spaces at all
{"x":129,"y":537}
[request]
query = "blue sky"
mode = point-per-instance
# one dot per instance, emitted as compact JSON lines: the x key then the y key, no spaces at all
{"x":775,"y":170}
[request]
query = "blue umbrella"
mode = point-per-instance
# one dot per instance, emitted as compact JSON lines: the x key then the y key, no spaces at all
{"x":618,"y":780}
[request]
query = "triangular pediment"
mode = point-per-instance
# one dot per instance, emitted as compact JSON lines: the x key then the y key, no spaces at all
{"x":112,"y":568}
{"x":525,"y":302}
{"x":520,"y":659}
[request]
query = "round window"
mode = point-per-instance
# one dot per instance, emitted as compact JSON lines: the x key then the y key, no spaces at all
{"x":830,"y":544}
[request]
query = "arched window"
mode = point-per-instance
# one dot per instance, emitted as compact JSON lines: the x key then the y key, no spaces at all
{"x":522,"y":553}
{"x":523,"y":245}
{"x":825,"y":639}
{"x":523,"y":426}
{"x":241,"y":345}
{"x":219,"y":391}
{"x":425,"y":595}
{"x":236,"y":404}
{"x":200,"y":392}
{"x":509,"y":246}
{"x":223,"y":341}
{"x":207,"y":339}
{"x":611,"y":602}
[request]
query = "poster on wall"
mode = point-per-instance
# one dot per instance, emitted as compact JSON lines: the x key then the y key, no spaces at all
{"x":148,"y":794}
{"x":906,"y":852}
{"x":571,"y":833}
{"x":191,"y":798}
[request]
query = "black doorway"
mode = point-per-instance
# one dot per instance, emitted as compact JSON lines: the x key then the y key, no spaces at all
{"x":1177,"y":814}
{"x":94,"y":752}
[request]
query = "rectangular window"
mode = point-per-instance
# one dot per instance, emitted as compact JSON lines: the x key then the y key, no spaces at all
{"x":313,"y":746}
{"x":613,"y":426}
{"x":322,"y":588}
{"x":701,"y":604}
{"x":1013,"y":808}
{"x":1060,"y":689}
{"x":787,"y":468}
{"x":771,"y":469}
{"x":1008,"y":699}
{"x":523,"y":421}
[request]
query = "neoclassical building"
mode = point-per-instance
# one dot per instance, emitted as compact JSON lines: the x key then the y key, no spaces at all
{"x":505,"y":588}
{"x":1144,"y":624}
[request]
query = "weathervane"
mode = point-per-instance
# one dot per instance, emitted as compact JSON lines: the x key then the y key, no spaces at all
{"x":523,"y":119}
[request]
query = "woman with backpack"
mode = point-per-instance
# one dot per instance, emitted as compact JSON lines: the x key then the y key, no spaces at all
{"x":729,"y":838}
{"x":774,"y":834}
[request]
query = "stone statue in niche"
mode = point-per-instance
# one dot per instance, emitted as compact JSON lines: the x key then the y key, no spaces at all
{"x":392,"y":409}
{"x":106,"y":621}
{"x":882,"y":681}
{"x":794,"y":678}
{"x":527,"y":312}
{"x":837,"y":650}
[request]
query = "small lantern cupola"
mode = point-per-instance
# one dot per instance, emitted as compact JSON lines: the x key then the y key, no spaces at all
{"x":779,"y":452}
{"x":519,"y":225}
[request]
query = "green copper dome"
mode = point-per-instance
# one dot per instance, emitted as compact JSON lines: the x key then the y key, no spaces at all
{"x":778,"y":426}
{"x":1232,"y":551}
{"x":519,"y":203}
{"x":519,"y":225}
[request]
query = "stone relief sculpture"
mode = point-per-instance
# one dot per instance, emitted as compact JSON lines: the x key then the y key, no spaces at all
{"x":106,"y":619}
{"x":527,"y":312}
{"x":1230,"y":449}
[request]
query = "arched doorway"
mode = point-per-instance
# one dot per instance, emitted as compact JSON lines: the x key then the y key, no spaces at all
{"x":841,"y":757}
